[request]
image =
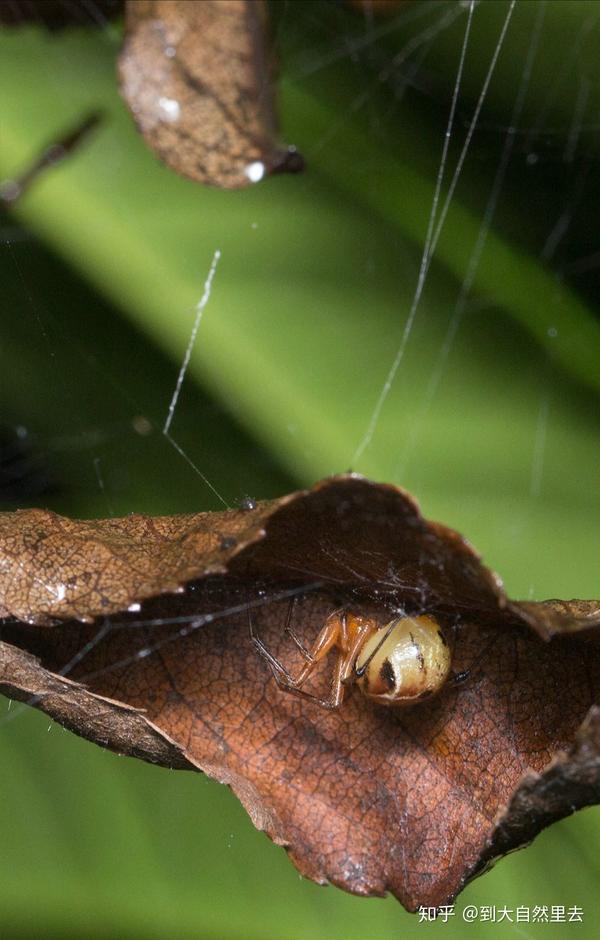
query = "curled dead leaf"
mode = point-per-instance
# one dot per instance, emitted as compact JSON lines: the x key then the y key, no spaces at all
{"x":149,"y":620}
{"x":198,"y":78}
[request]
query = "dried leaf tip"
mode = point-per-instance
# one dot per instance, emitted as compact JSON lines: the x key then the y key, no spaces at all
{"x":198,"y":79}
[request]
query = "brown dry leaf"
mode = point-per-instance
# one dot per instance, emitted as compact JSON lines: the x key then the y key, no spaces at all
{"x":198,"y":78}
{"x":414,"y":801}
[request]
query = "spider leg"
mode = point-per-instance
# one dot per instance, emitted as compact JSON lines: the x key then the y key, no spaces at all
{"x":352,"y":639}
{"x":367,"y":663}
{"x":326,"y":639}
{"x":345,"y":667}
{"x":337,"y":685}
{"x":338,"y":688}
{"x":288,"y":629}
{"x":363,"y":633}
{"x":285,"y":686}
{"x":457,"y":678}
{"x":286,"y":682}
{"x":277,"y":668}
{"x":300,"y":645}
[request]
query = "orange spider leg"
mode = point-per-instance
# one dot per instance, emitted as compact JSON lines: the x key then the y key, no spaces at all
{"x":327,"y":638}
{"x":360,"y":631}
{"x":336,"y":632}
{"x":353,"y":634}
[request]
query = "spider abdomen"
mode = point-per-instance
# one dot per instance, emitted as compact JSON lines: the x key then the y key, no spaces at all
{"x":404,"y":661}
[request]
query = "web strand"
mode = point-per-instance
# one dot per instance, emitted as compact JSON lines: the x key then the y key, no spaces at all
{"x":474,"y":260}
{"x":186,"y":361}
{"x":426,"y":251}
{"x":431,"y":240}
{"x":188,"y":353}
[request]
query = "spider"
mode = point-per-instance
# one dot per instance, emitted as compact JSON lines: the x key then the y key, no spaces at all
{"x":398,"y":663}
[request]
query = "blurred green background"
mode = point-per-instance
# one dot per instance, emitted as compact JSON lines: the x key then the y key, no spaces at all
{"x":494,"y":427}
